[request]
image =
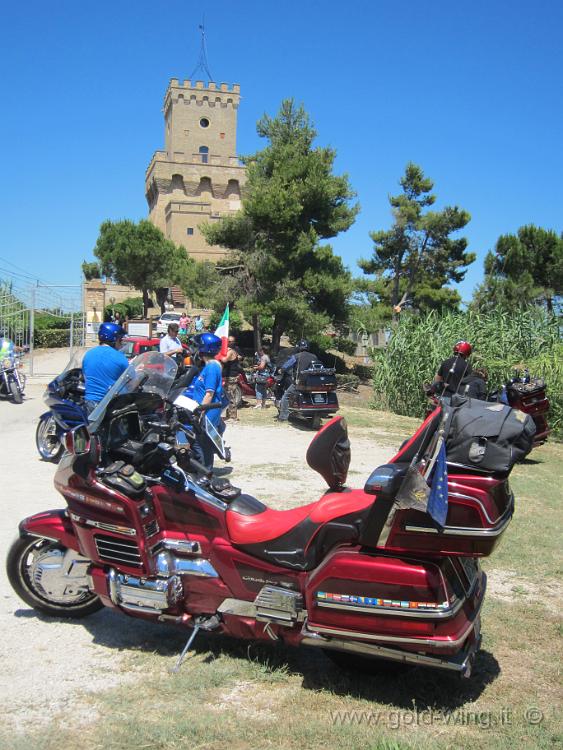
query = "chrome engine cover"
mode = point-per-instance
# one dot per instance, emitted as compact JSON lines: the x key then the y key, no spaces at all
{"x":144,"y":594}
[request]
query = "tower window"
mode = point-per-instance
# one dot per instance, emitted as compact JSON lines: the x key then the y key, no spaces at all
{"x":204,"y":122}
{"x":221,"y":136}
{"x":190,"y":230}
{"x":204,"y":151}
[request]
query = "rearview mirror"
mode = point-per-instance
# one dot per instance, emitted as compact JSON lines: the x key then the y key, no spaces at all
{"x":77,"y":441}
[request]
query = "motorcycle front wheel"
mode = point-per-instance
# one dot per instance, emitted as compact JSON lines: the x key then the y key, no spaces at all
{"x":47,"y":440}
{"x":36,"y":573}
{"x":15,"y":392}
{"x":237,"y":395}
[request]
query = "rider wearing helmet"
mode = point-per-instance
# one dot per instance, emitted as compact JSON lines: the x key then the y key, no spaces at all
{"x":301,"y":360}
{"x":103,"y":364}
{"x":208,"y":389}
{"x":452,"y":370}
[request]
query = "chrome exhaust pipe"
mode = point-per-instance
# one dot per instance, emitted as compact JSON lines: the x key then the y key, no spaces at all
{"x":461,"y":664}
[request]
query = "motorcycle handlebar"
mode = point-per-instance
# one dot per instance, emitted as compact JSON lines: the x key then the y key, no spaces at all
{"x":207,"y":407}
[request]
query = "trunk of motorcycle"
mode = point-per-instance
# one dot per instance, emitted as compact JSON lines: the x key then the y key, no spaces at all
{"x":479,"y":511}
{"x":533,"y":401}
{"x":318,"y":401}
{"x":397,"y":601}
{"x":316,"y":380}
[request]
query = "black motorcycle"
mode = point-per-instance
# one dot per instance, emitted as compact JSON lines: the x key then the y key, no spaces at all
{"x":314,"y":395}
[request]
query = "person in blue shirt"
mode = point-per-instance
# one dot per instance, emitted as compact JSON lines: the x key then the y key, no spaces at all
{"x":208,"y":389}
{"x":103,"y":365}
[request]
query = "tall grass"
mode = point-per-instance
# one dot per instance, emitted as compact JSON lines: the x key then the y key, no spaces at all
{"x":501,"y":342}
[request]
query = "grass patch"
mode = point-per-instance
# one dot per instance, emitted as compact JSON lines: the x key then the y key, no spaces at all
{"x":255,"y":696}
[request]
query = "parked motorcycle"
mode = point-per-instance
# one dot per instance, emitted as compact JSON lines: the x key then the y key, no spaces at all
{"x":527,"y":394}
{"x":12,"y":380}
{"x":314,"y":396}
{"x":65,"y":398}
{"x":360,"y":571}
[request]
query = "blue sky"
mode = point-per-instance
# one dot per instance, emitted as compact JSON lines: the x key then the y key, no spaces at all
{"x":471,"y":91}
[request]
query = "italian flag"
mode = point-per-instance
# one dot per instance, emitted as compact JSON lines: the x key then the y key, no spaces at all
{"x":222,"y":331}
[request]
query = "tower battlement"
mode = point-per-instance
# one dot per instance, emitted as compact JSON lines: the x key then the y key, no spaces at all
{"x":211,"y":86}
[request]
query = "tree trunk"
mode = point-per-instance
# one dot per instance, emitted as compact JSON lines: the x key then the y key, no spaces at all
{"x":161,"y":297}
{"x":257,"y":332}
{"x":145,"y":303}
{"x":277,"y":332}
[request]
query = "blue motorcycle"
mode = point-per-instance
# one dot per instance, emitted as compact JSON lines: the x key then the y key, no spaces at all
{"x":65,"y":398}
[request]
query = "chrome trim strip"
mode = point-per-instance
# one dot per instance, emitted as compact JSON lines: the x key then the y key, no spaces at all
{"x":475,"y":499}
{"x":441,"y":614}
{"x":462,"y":530}
{"x":115,"y":528}
{"x":395,"y":638}
{"x":41,"y":536}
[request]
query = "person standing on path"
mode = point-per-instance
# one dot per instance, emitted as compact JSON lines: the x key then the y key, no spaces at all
{"x":262,"y":371}
{"x":231,"y":370}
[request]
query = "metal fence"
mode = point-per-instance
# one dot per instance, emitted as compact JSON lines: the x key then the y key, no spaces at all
{"x":44,"y":319}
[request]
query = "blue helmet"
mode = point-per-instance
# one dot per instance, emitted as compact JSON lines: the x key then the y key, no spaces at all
{"x":209,"y":344}
{"x":109,"y":333}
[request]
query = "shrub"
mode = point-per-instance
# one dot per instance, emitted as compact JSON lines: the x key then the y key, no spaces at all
{"x":51,"y":338}
{"x":363,"y":372}
{"x":501,"y":342}
{"x":44,"y":321}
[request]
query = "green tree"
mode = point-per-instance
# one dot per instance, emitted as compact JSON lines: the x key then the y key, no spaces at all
{"x":525,"y":268}
{"x":139,"y":255}
{"x":418,"y":257}
{"x":276,"y":266}
{"x":91,"y":270}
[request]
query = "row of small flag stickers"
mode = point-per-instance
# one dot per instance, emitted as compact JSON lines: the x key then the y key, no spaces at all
{"x":367,"y":601}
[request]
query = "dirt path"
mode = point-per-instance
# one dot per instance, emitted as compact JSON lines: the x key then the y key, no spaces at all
{"x":46,"y":664}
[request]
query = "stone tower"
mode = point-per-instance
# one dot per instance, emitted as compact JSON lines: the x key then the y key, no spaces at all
{"x":198,"y":177}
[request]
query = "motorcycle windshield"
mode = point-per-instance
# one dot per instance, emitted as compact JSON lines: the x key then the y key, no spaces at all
{"x":151,"y":372}
{"x":74,"y":363}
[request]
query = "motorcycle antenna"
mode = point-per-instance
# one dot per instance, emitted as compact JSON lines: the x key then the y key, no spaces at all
{"x":202,"y":63}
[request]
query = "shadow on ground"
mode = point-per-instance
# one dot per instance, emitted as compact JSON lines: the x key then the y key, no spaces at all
{"x":398,"y":686}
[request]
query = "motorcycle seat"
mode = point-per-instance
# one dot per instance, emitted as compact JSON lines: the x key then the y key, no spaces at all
{"x":299,"y":538}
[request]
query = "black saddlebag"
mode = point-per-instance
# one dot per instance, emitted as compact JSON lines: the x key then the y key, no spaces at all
{"x":492,"y":437}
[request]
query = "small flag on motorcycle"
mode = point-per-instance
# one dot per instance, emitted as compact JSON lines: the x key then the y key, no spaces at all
{"x":222,"y":331}
{"x":438,"y":498}
{"x":415,"y":492}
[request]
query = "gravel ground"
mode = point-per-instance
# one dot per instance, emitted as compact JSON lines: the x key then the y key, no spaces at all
{"x":47,"y":664}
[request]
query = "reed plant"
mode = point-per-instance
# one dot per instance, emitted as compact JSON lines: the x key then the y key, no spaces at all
{"x":502,"y":342}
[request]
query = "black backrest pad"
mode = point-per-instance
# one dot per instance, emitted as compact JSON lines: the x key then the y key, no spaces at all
{"x":329,"y":452}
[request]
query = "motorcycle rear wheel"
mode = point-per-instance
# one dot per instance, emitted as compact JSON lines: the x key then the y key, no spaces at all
{"x":49,"y":445}
{"x":316,"y":422}
{"x":15,"y":392}
{"x":25,"y":580}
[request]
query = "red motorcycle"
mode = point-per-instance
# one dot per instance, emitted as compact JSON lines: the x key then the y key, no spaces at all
{"x":528,"y":394}
{"x":360,"y":571}
{"x":245,"y":386}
